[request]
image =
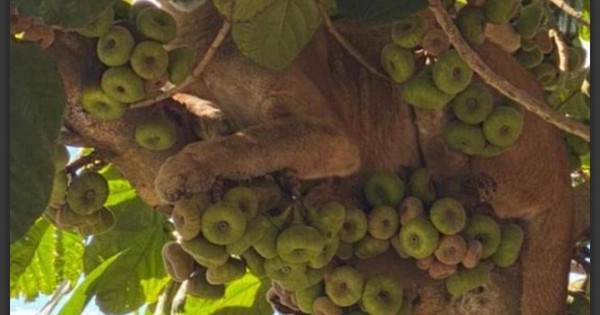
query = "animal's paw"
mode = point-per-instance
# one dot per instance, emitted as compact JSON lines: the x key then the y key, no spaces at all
{"x":179,"y":177}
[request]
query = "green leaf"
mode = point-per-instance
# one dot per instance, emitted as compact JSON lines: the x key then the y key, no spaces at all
{"x":44,"y":258}
{"x":275,"y":36}
{"x":243,"y":296}
{"x":37,"y":101}
{"x":119,"y":187}
{"x":86,"y":289}
{"x":379,"y":11}
{"x":584,"y":31}
{"x":140,"y":230}
{"x":67,"y":13}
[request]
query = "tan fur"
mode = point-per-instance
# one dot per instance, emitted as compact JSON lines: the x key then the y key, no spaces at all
{"x":325,"y":116}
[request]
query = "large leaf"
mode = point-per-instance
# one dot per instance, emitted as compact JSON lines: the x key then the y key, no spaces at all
{"x":379,"y":11}
{"x":44,"y":258}
{"x":37,"y":101}
{"x":86,"y":289}
{"x":244,"y":296}
{"x":276,"y":35}
{"x":67,"y":13}
{"x":139,"y":276}
{"x":119,"y":187}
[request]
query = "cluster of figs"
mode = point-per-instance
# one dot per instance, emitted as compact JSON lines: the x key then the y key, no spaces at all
{"x":310,"y":251}
{"x":130,"y":44}
{"x":479,"y":124}
{"x":77,"y":199}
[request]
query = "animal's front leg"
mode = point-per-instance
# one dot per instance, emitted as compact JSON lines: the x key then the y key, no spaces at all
{"x":313,"y":150}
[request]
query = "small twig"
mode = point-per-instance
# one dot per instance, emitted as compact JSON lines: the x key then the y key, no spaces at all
{"x":530,"y":103}
{"x":195,"y":74}
{"x":565,"y":7}
{"x":344,"y":43}
{"x":562,"y":50}
{"x":61,"y":291}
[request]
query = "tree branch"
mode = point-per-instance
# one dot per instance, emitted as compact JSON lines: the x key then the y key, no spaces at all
{"x":530,"y":103}
{"x":565,"y":7}
{"x":195,"y":74}
{"x":344,"y":43}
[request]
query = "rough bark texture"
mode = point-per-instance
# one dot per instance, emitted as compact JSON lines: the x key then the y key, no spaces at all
{"x":326,"y":116}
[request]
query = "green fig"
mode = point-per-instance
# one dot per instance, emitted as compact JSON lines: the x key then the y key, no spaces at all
{"x":254,"y":261}
{"x":122,"y":84}
{"x":204,"y":252}
{"x":300,"y":243}
{"x":384,"y":189}
{"x":500,"y":11}
{"x":99,"y":223}
{"x":409,"y":32}
{"x":484,"y":229}
{"x":450,"y":73}
{"x":383,"y":222}
{"x":398,"y":62}
{"x":344,"y":285}
{"x":448,"y":216}
{"x":255,"y":230}
{"x":223,"y":224}
{"x":100,"y":25}
{"x":422,"y":92}
{"x":491,"y":150}
{"x":156,"y":24}
{"x":473,"y":105}
{"x":329,"y":219}
{"x":451,"y":250}
{"x":156,"y":132}
{"x":306,"y":297}
{"x":267,"y":245}
{"x":546,"y":73}
{"x":381,"y":295}
{"x":578,"y":145}
{"x":465,"y":138}
{"x":511,"y":241}
{"x":181,"y":63}
{"x":470,"y":21}
{"x":530,"y":18}
{"x":114,"y":47}
{"x":187,"y":215}
{"x":466,"y":280}
{"x":435,"y":42}
{"x":326,"y":254}
{"x":149,"y":60}
{"x":418,"y":238}
{"x":324,"y":306}
{"x":503,"y":126}
{"x":245,"y":199}
{"x":121,"y":9}
{"x":231,"y":270}
{"x":99,"y":105}
{"x":87,"y":193}
{"x":199,"y":287}
{"x":473,"y":254}
{"x":530,"y":59}
{"x":370,"y":247}
{"x":410,"y":208}
{"x":421,"y":186}
{"x":355,"y":225}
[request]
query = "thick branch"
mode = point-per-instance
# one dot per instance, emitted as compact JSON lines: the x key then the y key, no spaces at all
{"x":195,"y":74}
{"x":529,"y":102}
{"x":565,"y":7}
{"x":344,"y":43}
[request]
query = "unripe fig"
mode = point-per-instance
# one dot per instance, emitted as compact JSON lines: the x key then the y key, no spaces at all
{"x":473,"y":105}
{"x":370,"y":247}
{"x":156,"y":132}
{"x":328,"y":219}
{"x":530,"y":59}
{"x":484,"y":229}
{"x":578,"y":145}
{"x":355,"y":225}
{"x":473,"y":254}
{"x":254,"y":261}
{"x":395,"y":243}
{"x":187,"y":215}
{"x":384,"y":189}
{"x":279,"y":270}
{"x":421,"y":186}
{"x":466,"y":280}
{"x":223,"y":224}
{"x":471,"y":24}
{"x":204,"y":252}
{"x":326,"y":254}
{"x":510,"y":246}
{"x":267,"y":245}
{"x":99,"y":105}
{"x":87,"y":193}
{"x":546,"y":73}
{"x":306,"y":297}
{"x":178,"y":264}
{"x":345,"y":251}
{"x":492,"y":150}
{"x":67,"y":218}
{"x":300,"y":243}
{"x":156,"y":24}
{"x":114,"y":47}
{"x":149,"y":60}
{"x":122,"y":84}
{"x":468,"y":139}
{"x":344,"y":285}
{"x":100,"y":25}
{"x":503,"y":126}
{"x":450,"y":73}
{"x":381,"y":295}
{"x":245,"y":199}
{"x":98,"y":223}
{"x":504,"y":35}
{"x":383,"y":222}
{"x":198,"y":287}
{"x":231,"y":270}
{"x":435,"y":42}
{"x":500,"y":11}
{"x":181,"y":62}
{"x":421,"y":92}
{"x":448,"y":216}
{"x":530,"y":18}
{"x":121,"y":9}
{"x":439,"y":270}
{"x":255,"y":230}
{"x":409,"y":32}
{"x":398,"y":62}
{"x":418,"y":238}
